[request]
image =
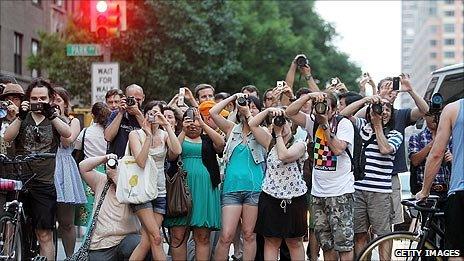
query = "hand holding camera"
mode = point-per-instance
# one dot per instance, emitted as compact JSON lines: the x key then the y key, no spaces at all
{"x":376,"y":118}
{"x":301,"y":61}
{"x":161,"y":120}
{"x":242,"y":99}
{"x":279,"y":117}
{"x":405,"y":81}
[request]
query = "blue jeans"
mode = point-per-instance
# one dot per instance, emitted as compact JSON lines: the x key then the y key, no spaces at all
{"x":122,"y":251}
{"x":240,"y":198}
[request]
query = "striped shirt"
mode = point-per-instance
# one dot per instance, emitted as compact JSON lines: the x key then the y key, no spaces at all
{"x":379,"y":167}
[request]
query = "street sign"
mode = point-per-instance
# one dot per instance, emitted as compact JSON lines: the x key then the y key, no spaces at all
{"x":83,"y":50}
{"x":105,"y":76}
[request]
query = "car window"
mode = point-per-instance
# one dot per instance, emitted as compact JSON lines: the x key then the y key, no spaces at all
{"x":430,"y":88}
{"x":452,"y":87}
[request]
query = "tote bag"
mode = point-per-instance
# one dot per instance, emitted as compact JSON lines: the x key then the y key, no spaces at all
{"x":135,"y":184}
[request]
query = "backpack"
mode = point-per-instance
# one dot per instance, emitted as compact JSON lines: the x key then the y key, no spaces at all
{"x":358,"y":159}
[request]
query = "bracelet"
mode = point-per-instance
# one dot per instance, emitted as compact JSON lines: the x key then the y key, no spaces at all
{"x":308,"y":77}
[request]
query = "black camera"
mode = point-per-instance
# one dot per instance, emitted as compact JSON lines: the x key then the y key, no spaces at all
{"x":396,"y":83}
{"x":301,"y":60}
{"x":130,"y":101}
{"x":436,"y":103}
{"x":36,"y":106}
{"x":242,"y":101}
{"x":321,"y":107}
{"x":377,"y":108}
{"x":112,"y":163}
{"x":279,"y":121}
{"x":190,"y":113}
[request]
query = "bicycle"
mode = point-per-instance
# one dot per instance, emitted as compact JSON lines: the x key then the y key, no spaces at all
{"x":17,"y":236}
{"x":415,"y":245}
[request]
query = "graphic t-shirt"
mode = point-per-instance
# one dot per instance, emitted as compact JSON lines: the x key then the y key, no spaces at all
{"x":332,"y":174}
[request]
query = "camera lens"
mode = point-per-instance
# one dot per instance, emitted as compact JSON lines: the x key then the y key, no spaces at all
{"x":301,"y":61}
{"x":279,"y":121}
{"x":320,"y":107}
{"x":241,"y":101}
{"x":377,"y":108}
{"x":112,"y":163}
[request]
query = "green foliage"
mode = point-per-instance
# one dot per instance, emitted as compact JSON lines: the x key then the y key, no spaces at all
{"x":226,"y":43}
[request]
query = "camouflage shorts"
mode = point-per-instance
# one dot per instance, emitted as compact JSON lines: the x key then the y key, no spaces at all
{"x":333,"y":220}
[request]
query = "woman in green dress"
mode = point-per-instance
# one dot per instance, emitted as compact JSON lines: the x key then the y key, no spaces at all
{"x":200,"y":145}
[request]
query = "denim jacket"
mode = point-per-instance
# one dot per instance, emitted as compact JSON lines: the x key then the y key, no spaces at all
{"x":235,"y":138}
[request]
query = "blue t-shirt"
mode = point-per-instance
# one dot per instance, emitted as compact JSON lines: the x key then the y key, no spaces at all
{"x":128,"y":124}
{"x":242,"y":174}
{"x":402,"y":120}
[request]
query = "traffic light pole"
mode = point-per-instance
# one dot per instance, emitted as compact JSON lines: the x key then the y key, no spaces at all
{"x":106,"y":46}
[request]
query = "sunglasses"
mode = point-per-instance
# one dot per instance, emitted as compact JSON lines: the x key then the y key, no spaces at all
{"x":37,"y":135}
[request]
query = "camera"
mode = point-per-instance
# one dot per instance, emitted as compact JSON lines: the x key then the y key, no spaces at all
{"x":396,"y":83}
{"x":112,"y":163}
{"x":130,"y":101}
{"x":334,"y":81}
{"x":242,"y":101}
{"x":301,"y":60}
{"x":4,"y":108}
{"x":190,"y":114}
{"x":36,"y":106}
{"x":321,"y":107}
{"x":279,"y":121}
{"x":151,"y":118}
{"x":436,"y":103}
{"x":377,"y":108}
{"x":180,"y":98}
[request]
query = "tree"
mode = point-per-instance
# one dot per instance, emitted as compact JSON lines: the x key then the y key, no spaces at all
{"x":226,"y":43}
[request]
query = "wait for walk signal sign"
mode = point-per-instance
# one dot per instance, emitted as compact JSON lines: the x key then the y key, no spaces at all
{"x":105,"y":76}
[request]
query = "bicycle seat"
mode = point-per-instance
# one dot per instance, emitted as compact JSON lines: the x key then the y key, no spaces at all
{"x":427,"y":205}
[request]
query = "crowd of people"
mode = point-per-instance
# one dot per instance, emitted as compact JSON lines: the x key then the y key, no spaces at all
{"x":256,"y":168}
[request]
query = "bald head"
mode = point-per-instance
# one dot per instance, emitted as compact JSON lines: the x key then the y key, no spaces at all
{"x":135,"y":91}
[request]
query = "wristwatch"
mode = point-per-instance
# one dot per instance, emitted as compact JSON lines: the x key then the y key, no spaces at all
{"x":324,"y":126}
{"x":308,"y":77}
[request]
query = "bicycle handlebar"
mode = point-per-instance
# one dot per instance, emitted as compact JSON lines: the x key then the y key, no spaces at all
{"x":428,"y":205}
{"x":4,"y":159}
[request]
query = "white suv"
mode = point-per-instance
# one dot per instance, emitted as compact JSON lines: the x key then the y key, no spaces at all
{"x":448,"y":81}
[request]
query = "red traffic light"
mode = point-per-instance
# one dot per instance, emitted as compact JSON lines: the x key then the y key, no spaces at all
{"x":108,"y":18}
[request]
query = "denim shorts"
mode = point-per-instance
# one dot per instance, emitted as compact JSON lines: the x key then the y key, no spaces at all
{"x":158,"y":205}
{"x":240,"y":198}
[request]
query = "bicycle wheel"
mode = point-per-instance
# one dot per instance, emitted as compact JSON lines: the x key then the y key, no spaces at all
{"x":10,"y":238}
{"x":401,"y":240}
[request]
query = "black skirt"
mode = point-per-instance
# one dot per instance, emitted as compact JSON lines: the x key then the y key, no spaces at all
{"x":281,"y":218}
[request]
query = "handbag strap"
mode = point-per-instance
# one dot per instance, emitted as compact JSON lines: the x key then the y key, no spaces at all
{"x":83,"y":139}
{"x":95,"y":215}
{"x":127,"y":152}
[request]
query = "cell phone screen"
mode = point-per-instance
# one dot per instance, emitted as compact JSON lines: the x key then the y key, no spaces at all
{"x":396,"y":83}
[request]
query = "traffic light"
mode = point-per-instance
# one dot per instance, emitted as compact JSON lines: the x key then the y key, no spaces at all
{"x":108,"y":18}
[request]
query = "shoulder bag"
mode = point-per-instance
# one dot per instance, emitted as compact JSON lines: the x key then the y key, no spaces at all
{"x":135,"y":184}
{"x":179,"y":200}
{"x":78,"y":154}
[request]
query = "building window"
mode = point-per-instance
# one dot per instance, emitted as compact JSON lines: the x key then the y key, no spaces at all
{"x":433,"y":11}
{"x":433,"y":55}
{"x":433,"y":28}
{"x":449,"y":13}
{"x":18,"y":51}
{"x":449,"y":41}
{"x":449,"y":2}
{"x":433,"y":42}
{"x":448,"y":28}
{"x":448,"y":54}
{"x":34,"y":51}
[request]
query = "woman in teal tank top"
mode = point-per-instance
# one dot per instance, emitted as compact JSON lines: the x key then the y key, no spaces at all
{"x":244,"y":173}
{"x":203,"y":178}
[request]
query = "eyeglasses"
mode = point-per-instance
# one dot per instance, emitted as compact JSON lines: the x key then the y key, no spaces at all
{"x":37,"y":136}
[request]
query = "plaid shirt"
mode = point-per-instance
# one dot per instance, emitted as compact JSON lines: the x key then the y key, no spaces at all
{"x":416,"y":143}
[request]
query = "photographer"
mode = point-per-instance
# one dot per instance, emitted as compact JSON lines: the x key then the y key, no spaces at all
{"x":11,"y":99}
{"x":116,"y":231}
{"x":373,"y":203}
{"x":332,"y":180}
{"x":129,"y":117}
{"x":244,"y":158}
{"x":420,"y":145}
{"x":40,"y":131}
{"x":301,"y":62}
{"x":403,"y":119}
{"x":282,"y":204}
